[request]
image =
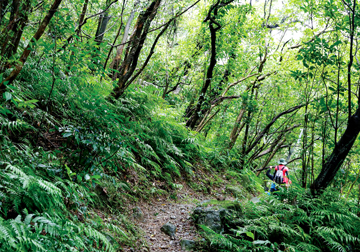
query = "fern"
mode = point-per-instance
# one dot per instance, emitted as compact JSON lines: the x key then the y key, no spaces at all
{"x":15,"y":126}
{"x":311,"y":225}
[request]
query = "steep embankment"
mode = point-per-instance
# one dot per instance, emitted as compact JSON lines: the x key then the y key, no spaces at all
{"x":157,"y":216}
{"x":73,"y":162}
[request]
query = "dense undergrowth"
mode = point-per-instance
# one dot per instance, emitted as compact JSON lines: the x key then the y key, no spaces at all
{"x":66,"y":151}
{"x":291,"y":221}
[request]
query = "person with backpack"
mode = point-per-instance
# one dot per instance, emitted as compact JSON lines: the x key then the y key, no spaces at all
{"x":281,"y":174}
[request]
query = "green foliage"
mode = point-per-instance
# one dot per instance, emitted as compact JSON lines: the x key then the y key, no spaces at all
{"x":46,"y":233}
{"x":291,"y":221}
{"x":67,"y":148}
{"x":76,"y":151}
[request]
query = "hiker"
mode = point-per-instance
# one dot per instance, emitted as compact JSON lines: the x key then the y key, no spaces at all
{"x":281,"y":175}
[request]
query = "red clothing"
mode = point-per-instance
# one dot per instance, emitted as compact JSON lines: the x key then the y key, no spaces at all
{"x":285,"y":172}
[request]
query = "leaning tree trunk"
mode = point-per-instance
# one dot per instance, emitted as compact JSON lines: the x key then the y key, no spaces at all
{"x":129,"y":63}
{"x":101,"y":29}
{"x":343,"y":146}
{"x":338,"y":155}
{"x":82,"y":16}
{"x":214,"y":27}
{"x":137,"y":41}
{"x":27,"y":50}
{"x":3,"y":5}
{"x":11,"y":35}
{"x":115,"y":63}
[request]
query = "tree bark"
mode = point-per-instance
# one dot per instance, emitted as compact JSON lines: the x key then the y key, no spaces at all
{"x":115,"y":63}
{"x":12,"y":34}
{"x":27,"y":50}
{"x":3,"y":5}
{"x":82,"y":16}
{"x":236,"y":129}
{"x":268,"y":126}
{"x":129,"y":64}
{"x":338,"y":155}
{"x":214,"y":26}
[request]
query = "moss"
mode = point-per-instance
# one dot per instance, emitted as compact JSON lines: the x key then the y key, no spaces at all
{"x":228,"y":204}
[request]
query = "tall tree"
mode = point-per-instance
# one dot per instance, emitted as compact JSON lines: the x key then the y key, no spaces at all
{"x":11,"y":34}
{"x":116,"y":61}
{"x":140,"y":33}
{"x":27,"y":50}
{"x":347,"y":140}
{"x":214,"y":26}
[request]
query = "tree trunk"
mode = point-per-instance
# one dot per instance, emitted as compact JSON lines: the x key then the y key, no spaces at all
{"x":191,"y":123}
{"x":129,"y":64}
{"x":102,"y":24}
{"x":100,"y":32}
{"x":236,"y":129}
{"x":343,"y":146}
{"x":115,"y":63}
{"x":214,"y":27}
{"x":27,"y":50}
{"x":82,"y":16}
{"x":11,"y":36}
{"x":304,"y":152}
{"x":338,"y":155}
{"x":3,"y":5}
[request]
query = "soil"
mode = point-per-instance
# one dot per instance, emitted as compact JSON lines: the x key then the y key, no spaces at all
{"x":178,"y":212}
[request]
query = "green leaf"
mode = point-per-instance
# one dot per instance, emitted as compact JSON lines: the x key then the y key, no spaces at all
{"x":251,"y":235}
{"x":332,"y":89}
{"x":67,"y":134}
{"x":7,"y":96}
{"x":260,"y":242}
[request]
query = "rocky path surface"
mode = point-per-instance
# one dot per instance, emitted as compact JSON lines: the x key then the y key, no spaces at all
{"x":152,"y":216}
{"x":160,"y":213}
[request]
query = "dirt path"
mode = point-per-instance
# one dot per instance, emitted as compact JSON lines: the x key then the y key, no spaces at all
{"x":160,"y":211}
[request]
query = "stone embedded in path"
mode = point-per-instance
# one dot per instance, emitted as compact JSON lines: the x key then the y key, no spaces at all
{"x":138,"y":214}
{"x":236,"y":191}
{"x":169,"y":229}
{"x":255,"y":199}
{"x":187,"y":244}
{"x":208,"y":217}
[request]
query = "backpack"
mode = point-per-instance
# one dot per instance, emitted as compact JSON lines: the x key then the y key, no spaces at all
{"x":279,"y":175}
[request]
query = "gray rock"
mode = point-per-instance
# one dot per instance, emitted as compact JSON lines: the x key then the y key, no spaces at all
{"x":208,"y":217}
{"x":187,"y":244}
{"x":138,"y":214}
{"x":111,"y":240}
{"x":169,"y":229}
{"x":220,"y":197}
{"x":172,"y":217}
{"x":205,"y":202}
{"x":255,"y":199}
{"x":236,"y":191}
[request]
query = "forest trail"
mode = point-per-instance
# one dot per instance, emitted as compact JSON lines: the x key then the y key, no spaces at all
{"x":163,"y":210}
